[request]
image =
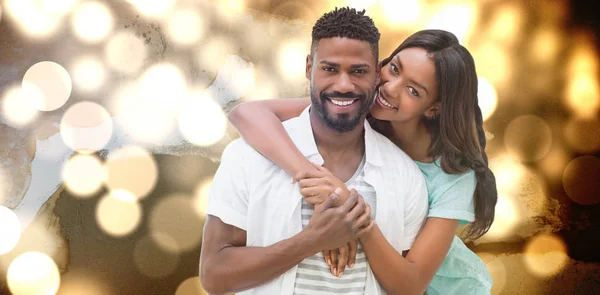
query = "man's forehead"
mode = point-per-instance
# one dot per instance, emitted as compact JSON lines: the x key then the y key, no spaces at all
{"x":343,"y":48}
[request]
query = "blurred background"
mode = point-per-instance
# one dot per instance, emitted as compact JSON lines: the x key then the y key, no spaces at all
{"x":113,"y":121}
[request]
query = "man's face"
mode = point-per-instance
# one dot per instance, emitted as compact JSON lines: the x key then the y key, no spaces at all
{"x":342,"y":74}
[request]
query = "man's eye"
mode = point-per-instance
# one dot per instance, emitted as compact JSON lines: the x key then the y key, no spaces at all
{"x":413,"y":91}
{"x":360,"y":71}
{"x":328,"y":69}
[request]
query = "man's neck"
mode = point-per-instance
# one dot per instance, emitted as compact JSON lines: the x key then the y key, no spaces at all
{"x":342,"y":152}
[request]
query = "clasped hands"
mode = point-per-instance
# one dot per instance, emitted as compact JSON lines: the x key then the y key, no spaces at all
{"x":340,"y":216}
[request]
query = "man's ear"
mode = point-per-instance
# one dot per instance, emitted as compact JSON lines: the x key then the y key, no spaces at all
{"x":308,"y":66}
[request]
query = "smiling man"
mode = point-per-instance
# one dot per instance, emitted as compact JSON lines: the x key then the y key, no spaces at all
{"x":261,"y":236}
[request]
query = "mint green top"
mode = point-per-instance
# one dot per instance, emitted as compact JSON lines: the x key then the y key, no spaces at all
{"x":451,"y":197}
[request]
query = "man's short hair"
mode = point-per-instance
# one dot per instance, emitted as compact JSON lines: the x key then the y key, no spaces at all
{"x":346,"y":22}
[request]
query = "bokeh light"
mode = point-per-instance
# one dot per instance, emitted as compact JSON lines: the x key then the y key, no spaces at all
{"x":292,"y":59}
{"x":32,"y":19}
{"x":545,"y":255}
{"x":92,"y":21}
{"x":58,"y":7}
{"x":506,"y":218}
{"x":361,"y":4}
{"x":201,"y":197}
{"x":506,"y":24}
{"x":545,"y":45}
{"x":86,"y":127}
{"x":18,"y":107}
{"x":10,"y":231}
{"x":457,"y":18}
{"x":492,"y":63}
{"x":402,"y":13}
{"x":174,"y":216}
{"x":51,"y":81}
{"x":487,"y":98}
{"x":581,"y":180}
{"x":554,"y":163}
{"x":201,"y":120}
{"x":88,"y":74}
{"x":151,"y":260}
{"x":125,"y":52}
{"x":118,"y":213}
{"x":191,"y":286}
{"x":577,"y":134}
{"x":133,"y":169}
{"x":83,"y":175}
{"x":527,"y":138}
{"x":153,"y":8}
{"x":185,"y":27}
{"x":231,"y":8}
{"x":33,"y":273}
{"x":77,"y":282}
{"x":213,"y":53}
{"x":583,"y":95}
{"x":149,"y":110}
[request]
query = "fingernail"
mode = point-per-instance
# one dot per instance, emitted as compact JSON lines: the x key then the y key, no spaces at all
{"x":328,"y":261}
{"x":338,"y":191}
{"x":335,"y":271}
{"x":340,"y":274}
{"x":351,"y":265}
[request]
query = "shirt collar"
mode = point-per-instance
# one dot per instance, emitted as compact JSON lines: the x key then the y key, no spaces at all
{"x":301,"y":132}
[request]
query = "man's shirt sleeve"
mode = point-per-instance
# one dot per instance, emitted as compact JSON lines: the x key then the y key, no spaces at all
{"x":229,"y":192}
{"x":415,"y":212}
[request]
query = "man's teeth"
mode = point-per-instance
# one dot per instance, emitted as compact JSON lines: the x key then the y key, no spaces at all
{"x":342,"y":102}
{"x":385,"y":102}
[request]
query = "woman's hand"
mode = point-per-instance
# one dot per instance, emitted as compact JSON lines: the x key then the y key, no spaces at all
{"x":317,"y":185}
{"x":338,"y":259}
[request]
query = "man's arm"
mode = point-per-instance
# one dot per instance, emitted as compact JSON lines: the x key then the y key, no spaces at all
{"x":226,"y":265}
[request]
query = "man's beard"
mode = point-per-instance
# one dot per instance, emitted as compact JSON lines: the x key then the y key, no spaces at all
{"x":343,"y":123}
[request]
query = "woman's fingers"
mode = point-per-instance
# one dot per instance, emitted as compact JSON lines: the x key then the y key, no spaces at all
{"x":352,"y":249}
{"x":342,"y":260}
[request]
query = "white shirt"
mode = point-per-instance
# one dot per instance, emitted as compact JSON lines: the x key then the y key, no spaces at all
{"x":252,"y":193}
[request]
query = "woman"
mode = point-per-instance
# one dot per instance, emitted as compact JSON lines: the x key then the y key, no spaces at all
{"x":426,"y":105}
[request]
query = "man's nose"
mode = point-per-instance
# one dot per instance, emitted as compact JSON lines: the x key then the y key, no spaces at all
{"x":343,"y":84}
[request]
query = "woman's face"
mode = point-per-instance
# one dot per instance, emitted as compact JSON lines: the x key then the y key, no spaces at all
{"x":408,"y":88}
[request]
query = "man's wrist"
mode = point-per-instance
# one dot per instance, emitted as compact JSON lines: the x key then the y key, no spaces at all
{"x":306,"y":239}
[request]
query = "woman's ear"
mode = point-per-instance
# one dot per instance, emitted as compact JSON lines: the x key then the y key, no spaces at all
{"x":433,"y":110}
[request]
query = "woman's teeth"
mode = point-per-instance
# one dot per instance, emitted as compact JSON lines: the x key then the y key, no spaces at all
{"x":341,"y":102}
{"x":385,"y":102}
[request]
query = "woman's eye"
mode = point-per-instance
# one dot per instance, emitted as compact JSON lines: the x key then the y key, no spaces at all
{"x":413,"y":91}
{"x":394,"y":68}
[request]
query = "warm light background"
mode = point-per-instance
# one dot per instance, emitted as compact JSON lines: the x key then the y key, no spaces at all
{"x":113,"y":120}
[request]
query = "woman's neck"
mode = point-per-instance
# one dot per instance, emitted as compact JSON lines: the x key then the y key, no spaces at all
{"x":413,"y":138}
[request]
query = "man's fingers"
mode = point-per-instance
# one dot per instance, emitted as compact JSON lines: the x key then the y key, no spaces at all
{"x":352,"y":249}
{"x":330,"y":200}
{"x":350,"y":203}
{"x":342,"y":260}
{"x":358,"y":209}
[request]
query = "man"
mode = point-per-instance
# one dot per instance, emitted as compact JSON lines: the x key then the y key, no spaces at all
{"x":260,"y":236}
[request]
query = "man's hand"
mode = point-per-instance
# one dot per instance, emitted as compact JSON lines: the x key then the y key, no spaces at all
{"x":330,"y":227}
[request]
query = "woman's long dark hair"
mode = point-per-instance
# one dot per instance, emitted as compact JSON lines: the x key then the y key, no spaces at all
{"x":457,"y":133}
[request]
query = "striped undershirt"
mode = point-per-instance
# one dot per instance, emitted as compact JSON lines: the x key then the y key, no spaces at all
{"x":313,"y":276}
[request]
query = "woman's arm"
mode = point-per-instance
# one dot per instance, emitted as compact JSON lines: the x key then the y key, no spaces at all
{"x":411,"y":274}
{"x":259,"y":124}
